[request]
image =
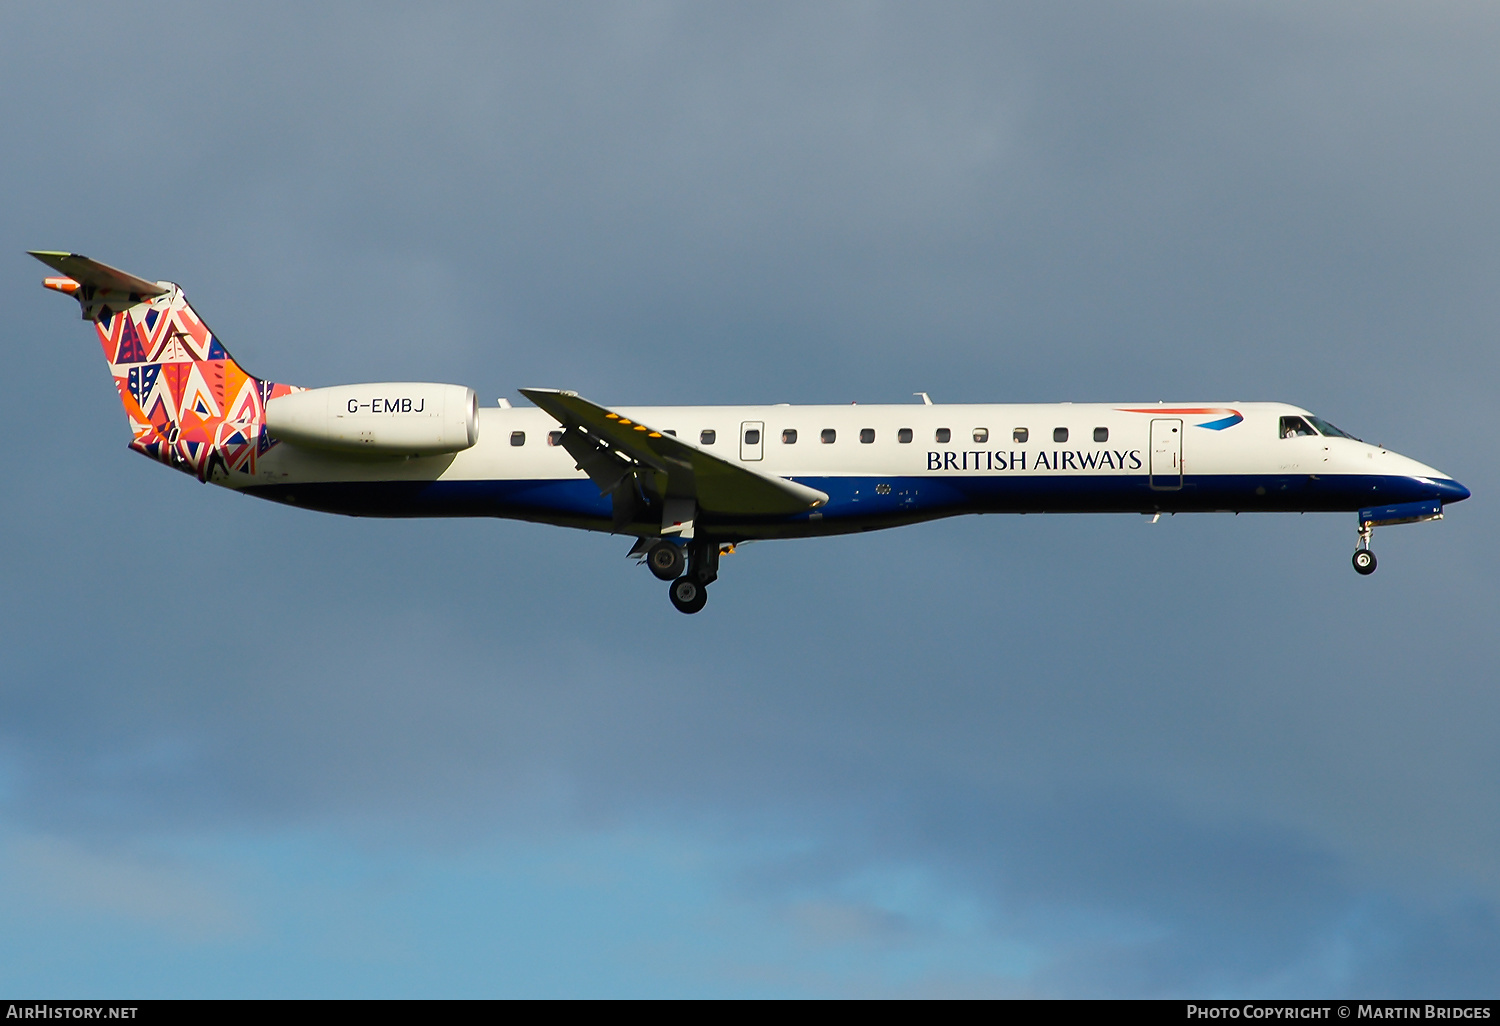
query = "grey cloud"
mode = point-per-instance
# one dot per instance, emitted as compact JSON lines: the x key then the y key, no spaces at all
{"x":1207,"y":731}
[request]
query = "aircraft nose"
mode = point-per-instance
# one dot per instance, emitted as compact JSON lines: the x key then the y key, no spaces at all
{"x":1449,"y":490}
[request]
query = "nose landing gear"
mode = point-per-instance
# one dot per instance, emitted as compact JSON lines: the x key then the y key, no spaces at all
{"x":1364,"y":559}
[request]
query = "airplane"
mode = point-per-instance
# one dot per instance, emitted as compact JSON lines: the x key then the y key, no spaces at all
{"x":689,"y":483}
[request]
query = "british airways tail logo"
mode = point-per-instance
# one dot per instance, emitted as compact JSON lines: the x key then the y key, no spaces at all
{"x":1218,"y":424}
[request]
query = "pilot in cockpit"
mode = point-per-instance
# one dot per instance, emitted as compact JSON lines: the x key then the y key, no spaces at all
{"x":1295,"y":427}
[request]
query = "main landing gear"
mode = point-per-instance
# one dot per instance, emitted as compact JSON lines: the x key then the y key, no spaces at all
{"x":687,"y":595}
{"x":666,"y":560}
{"x":691,"y":568}
{"x":1364,"y":559}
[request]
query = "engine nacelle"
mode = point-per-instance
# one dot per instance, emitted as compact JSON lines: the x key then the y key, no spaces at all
{"x":387,"y":419}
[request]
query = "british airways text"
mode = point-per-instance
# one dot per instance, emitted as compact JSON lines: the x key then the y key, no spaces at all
{"x":1057,"y":459}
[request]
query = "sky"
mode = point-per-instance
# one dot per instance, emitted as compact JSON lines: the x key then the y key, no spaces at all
{"x":248,"y":750}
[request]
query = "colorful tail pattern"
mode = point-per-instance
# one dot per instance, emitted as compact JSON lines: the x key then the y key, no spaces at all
{"x":189,"y":404}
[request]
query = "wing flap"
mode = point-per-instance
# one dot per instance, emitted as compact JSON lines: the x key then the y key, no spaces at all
{"x":718,"y":485}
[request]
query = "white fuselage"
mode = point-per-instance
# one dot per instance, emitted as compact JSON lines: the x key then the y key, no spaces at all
{"x":958,"y":459}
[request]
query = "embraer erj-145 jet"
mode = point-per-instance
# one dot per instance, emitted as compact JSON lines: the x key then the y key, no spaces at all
{"x":689,"y":482}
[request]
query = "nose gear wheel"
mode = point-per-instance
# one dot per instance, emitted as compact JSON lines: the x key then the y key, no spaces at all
{"x":1364,"y":559}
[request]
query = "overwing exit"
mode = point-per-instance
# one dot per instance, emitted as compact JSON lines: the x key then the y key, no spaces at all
{"x":688,"y":483}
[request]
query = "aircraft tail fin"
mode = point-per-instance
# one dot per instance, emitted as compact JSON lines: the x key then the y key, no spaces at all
{"x":189,"y":404}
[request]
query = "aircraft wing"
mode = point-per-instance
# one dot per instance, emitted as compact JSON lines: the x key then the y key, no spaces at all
{"x":609,"y":446}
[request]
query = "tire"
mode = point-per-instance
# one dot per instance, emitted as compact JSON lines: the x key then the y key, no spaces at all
{"x":665,"y":560}
{"x":687,"y":595}
{"x":1364,"y":561}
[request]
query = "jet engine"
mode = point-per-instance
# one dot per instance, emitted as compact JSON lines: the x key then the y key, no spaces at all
{"x":387,"y":419}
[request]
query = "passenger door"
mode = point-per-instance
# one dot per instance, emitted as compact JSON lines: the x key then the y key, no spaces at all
{"x":1166,"y":454}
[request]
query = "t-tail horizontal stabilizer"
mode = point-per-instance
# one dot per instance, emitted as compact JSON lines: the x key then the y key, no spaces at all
{"x":100,"y":289}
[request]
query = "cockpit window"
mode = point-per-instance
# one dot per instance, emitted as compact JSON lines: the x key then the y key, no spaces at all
{"x":1328,"y":429}
{"x":1295,"y":427}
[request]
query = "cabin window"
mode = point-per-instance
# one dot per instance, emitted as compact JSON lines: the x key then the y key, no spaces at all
{"x":1020,"y":435}
{"x":904,"y":436}
{"x":981,"y":434}
{"x":1101,"y":434}
{"x":669,"y":431}
{"x":867,"y":435}
{"x":518,"y":438}
{"x":554,"y":438}
{"x":789,"y":436}
{"x":1295,"y":427}
{"x":707,"y":437}
{"x":752,"y":436}
{"x":943,"y":434}
{"x":1059,"y":434}
{"x":828,"y":436}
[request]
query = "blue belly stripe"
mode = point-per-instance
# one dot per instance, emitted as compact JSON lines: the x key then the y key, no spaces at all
{"x":887,"y":499}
